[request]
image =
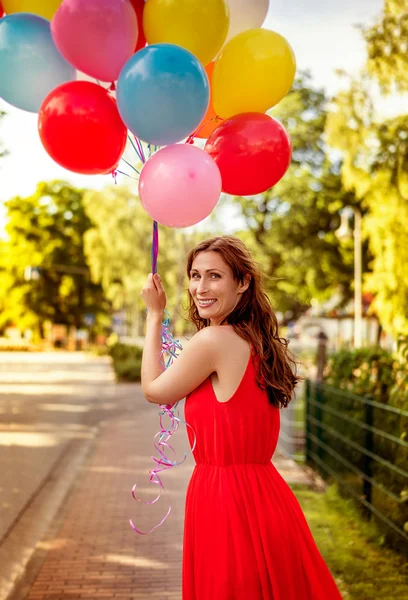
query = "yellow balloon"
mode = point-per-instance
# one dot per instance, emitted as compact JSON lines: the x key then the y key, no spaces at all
{"x":200,"y":26}
{"x":44,"y":8}
{"x":254,"y":71}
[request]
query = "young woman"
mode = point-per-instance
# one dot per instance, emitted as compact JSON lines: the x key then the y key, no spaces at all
{"x":245,"y":536}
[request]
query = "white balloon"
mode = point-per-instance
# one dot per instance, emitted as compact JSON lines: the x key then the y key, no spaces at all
{"x":246,"y":14}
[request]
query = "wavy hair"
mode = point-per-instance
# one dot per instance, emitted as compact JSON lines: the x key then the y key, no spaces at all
{"x":253,"y":319}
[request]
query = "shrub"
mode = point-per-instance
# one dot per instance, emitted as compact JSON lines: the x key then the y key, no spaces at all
{"x":383,"y":376}
{"x":127,"y":361}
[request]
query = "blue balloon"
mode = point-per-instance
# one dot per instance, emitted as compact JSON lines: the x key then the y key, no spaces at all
{"x":30,"y":64}
{"x":162,"y":94}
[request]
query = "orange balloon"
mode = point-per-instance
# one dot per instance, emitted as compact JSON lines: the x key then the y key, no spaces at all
{"x":207,"y":126}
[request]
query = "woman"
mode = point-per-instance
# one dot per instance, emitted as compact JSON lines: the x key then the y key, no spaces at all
{"x":245,"y":534}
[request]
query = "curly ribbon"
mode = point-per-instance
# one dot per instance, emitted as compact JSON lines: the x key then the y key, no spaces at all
{"x":171,"y":348}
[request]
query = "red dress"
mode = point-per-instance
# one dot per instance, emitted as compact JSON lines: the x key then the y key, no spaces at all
{"x":245,"y":534}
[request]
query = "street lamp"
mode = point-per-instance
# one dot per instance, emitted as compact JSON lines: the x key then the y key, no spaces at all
{"x":343,"y":233}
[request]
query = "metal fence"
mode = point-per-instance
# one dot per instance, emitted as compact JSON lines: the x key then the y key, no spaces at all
{"x":292,"y":427}
{"x":361,"y":443}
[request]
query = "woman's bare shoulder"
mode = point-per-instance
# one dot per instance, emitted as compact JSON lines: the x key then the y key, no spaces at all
{"x":217,"y":332}
{"x":224,"y":339}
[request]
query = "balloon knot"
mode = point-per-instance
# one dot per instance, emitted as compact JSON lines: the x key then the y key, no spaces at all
{"x":190,"y":140}
{"x":112,"y":87}
{"x":114,"y":175}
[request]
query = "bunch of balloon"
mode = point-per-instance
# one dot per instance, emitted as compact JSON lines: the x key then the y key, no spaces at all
{"x":180,"y":68}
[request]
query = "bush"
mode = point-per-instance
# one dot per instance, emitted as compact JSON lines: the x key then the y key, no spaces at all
{"x":8,"y":345}
{"x":127,"y":361}
{"x":364,"y":371}
{"x":383,"y":376}
{"x":98,"y":350}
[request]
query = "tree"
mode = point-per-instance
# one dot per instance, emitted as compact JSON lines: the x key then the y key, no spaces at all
{"x":375,"y":162}
{"x":387,"y":46}
{"x":294,"y":223}
{"x":377,"y":171}
{"x":118,"y":250}
{"x":46,"y":232}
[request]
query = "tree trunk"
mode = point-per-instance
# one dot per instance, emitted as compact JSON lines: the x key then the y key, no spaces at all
{"x":379,"y":333}
{"x":79,"y":309}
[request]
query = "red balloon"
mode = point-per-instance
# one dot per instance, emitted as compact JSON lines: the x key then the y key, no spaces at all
{"x":80,"y":128}
{"x":252,"y":151}
{"x":138,"y":5}
{"x":1,"y":11}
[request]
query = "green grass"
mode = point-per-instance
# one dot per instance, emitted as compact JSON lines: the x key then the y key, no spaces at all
{"x":352,"y":548}
{"x":299,"y":414}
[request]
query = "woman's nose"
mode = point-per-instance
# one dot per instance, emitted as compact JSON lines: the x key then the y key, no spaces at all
{"x":202,"y":286}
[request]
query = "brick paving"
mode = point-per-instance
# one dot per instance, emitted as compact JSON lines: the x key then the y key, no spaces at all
{"x":91,"y":550}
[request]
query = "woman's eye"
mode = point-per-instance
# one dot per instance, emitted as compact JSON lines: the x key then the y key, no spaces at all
{"x":196,"y":275}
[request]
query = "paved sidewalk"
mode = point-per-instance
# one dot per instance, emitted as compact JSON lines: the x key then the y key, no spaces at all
{"x":91,"y":551}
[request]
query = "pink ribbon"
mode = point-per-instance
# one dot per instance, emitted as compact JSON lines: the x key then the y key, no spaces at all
{"x":163,"y":462}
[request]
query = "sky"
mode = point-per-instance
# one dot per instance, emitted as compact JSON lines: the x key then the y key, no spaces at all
{"x":322,"y":33}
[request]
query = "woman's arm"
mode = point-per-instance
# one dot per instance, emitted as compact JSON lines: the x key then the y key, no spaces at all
{"x":195,"y":363}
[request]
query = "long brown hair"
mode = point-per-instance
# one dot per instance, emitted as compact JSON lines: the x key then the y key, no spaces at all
{"x":253,"y":319}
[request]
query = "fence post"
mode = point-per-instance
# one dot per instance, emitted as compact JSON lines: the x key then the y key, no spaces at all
{"x":318,"y":417}
{"x":367,"y":460}
{"x":307,"y":417}
{"x":321,"y":355}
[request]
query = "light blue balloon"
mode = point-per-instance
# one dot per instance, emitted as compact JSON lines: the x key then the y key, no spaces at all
{"x":30,"y":64}
{"x":162,"y":93}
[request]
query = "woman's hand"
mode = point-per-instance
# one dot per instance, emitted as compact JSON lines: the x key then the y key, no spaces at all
{"x":154,"y":295}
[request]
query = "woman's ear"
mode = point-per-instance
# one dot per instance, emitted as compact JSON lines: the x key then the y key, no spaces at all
{"x":245,"y":285}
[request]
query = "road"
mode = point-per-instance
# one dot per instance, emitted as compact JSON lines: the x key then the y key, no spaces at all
{"x":50,"y":407}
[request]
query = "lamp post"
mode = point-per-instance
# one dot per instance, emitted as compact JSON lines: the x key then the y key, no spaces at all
{"x":344,"y":232}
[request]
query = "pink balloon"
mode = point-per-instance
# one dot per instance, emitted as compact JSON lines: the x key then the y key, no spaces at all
{"x":96,"y":36}
{"x":180,"y":185}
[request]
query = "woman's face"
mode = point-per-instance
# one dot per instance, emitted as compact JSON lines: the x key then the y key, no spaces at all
{"x":213,"y":288}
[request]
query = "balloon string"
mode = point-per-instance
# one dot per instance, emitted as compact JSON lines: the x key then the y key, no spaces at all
{"x":140,"y":147}
{"x":155,"y":246}
{"x":122,"y":173}
{"x":130,"y":165}
{"x":108,"y":89}
{"x":171,"y":347}
{"x":190,"y":139}
{"x":134,"y":148}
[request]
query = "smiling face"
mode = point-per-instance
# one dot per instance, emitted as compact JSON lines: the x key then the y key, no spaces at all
{"x":213,"y":288}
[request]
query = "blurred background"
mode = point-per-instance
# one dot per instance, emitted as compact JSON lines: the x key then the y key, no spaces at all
{"x":332,"y":240}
